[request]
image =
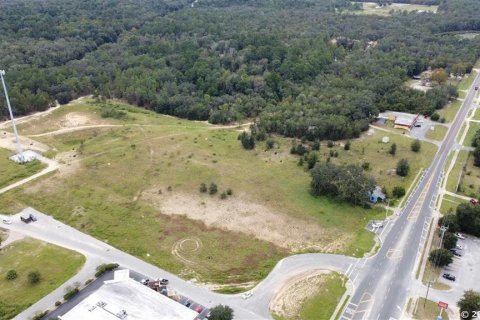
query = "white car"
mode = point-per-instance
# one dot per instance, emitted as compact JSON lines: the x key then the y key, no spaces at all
{"x":247,"y":295}
{"x":460,"y":236}
{"x":377,"y":225}
{"x":6,"y":221}
{"x":459,"y":247}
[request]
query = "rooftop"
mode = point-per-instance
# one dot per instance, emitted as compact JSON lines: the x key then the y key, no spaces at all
{"x":125,"y":298}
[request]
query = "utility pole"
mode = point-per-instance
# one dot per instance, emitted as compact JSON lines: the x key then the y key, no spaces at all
{"x":19,"y":145}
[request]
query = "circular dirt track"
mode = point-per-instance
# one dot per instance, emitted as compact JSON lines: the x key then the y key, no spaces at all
{"x":184,"y":248}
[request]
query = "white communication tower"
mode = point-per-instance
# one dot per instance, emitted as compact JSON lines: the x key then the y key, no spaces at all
{"x":20,"y":155}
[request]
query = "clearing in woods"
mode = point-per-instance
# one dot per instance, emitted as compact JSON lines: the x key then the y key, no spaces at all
{"x":138,"y":173}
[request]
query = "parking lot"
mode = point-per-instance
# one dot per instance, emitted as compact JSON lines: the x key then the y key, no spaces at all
{"x":466,"y":268}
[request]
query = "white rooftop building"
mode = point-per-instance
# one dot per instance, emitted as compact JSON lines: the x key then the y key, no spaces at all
{"x":125,"y":298}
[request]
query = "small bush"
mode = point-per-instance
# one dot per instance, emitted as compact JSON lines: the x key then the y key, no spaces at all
{"x":416,"y":146}
{"x":229,"y":191}
{"x":269,"y":144}
{"x":70,"y":294}
{"x":435,"y":117}
{"x":347,"y":145}
{"x":213,"y":188}
{"x":203,"y":188}
{"x":11,"y":275}
{"x":34,"y":277}
{"x":101,"y":269}
{"x":366,"y":166}
{"x":40,"y":315}
{"x":398,"y":191}
{"x":393,"y":149}
{"x":223,"y":195}
{"x":58,"y":303}
{"x":113,"y":113}
{"x":330,"y":144}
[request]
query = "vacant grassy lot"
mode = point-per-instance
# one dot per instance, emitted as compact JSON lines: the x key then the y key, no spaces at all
{"x":438,"y":133}
{"x":450,"y":110}
{"x":11,"y":171}
{"x":116,"y":181}
{"x":470,"y":181}
{"x":430,"y":311}
{"x":55,"y":264}
{"x":370,"y":8}
{"x":467,"y":81}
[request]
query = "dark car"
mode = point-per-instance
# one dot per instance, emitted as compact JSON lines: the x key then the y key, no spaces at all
{"x":448,"y":276}
{"x":33,"y":218}
{"x":455,"y":252}
{"x":164,"y":282}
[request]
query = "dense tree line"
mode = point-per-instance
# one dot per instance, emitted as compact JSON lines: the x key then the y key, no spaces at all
{"x":465,"y":219}
{"x":300,"y":67}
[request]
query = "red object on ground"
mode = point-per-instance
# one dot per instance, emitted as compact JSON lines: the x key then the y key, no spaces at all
{"x":443,"y":305}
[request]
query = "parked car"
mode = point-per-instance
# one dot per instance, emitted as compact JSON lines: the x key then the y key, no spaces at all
{"x":6,"y":221}
{"x":455,"y":252}
{"x":164,"y":282}
{"x":459,"y":236}
{"x":198,"y":309}
{"x":145,"y":281}
{"x":448,"y":276}
{"x":476,"y":87}
{"x":32,"y":217}
{"x":247,"y":295}
{"x":459,"y":247}
{"x":377,"y":225}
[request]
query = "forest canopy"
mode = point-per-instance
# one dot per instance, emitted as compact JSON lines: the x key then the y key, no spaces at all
{"x":301,"y":68}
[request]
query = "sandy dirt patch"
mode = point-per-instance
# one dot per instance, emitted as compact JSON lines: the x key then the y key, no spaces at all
{"x":7,"y":141}
{"x":288,"y":301}
{"x":239,"y":214}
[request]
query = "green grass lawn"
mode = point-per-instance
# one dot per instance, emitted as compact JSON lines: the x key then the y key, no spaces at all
{"x":438,"y":133}
{"x":11,"y":171}
{"x":477,"y":114}
{"x":119,"y":164}
{"x":55,"y":264}
{"x":430,"y":311}
{"x":373,"y":9}
{"x":450,"y":110}
{"x":455,"y":175}
{"x":450,"y":204}
{"x":473,"y":127}
{"x":467,"y":81}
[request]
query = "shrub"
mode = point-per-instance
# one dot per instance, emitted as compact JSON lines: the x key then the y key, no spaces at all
{"x":223,"y":195}
{"x":247,"y":140}
{"x":393,"y":149}
{"x":71,"y":293}
{"x":229,"y":191}
{"x":34,"y":277}
{"x":449,"y":240}
{"x":403,"y":168}
{"x":316,"y":145}
{"x":213,"y":188}
{"x":398,"y":191}
{"x":113,"y":113}
{"x":40,"y":315}
{"x":101,"y":269}
{"x":416,"y":146}
{"x":58,"y":303}
{"x":330,"y":144}
{"x":11,"y":275}
{"x":203,"y":188}
{"x":435,"y":116}
{"x":347,"y":145}
{"x":270,"y":144}
{"x":221,"y":312}
{"x":366,"y":166}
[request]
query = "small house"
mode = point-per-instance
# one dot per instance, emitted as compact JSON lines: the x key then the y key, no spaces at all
{"x":377,"y":195}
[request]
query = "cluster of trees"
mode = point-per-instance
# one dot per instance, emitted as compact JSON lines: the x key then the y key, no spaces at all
{"x":469,"y":305}
{"x":299,"y":67}
{"x":347,"y":183}
{"x":465,"y":219}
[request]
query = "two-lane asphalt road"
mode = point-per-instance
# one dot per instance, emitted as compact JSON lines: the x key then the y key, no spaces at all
{"x":385,"y":283}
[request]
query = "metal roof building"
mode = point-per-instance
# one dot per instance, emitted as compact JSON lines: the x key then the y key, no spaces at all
{"x":125,"y":298}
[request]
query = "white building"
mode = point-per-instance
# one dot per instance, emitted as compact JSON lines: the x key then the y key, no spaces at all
{"x":125,"y":298}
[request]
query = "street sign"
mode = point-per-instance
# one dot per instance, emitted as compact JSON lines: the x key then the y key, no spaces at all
{"x":443,"y":305}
